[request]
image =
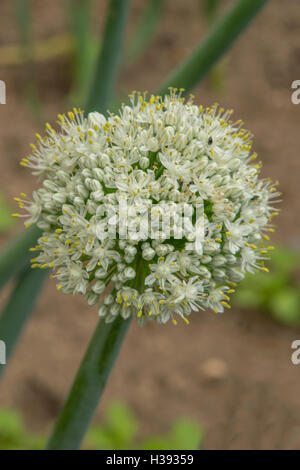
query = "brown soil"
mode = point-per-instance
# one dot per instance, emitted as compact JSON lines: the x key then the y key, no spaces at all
{"x":232,"y":372}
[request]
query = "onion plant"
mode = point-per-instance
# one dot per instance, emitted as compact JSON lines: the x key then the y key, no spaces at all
{"x":159,"y":150}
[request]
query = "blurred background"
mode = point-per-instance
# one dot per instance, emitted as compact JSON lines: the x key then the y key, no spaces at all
{"x":225,"y":380}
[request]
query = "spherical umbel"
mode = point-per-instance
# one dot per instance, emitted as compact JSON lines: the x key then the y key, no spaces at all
{"x":117,"y":191}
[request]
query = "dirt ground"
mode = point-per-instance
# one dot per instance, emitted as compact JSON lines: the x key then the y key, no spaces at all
{"x":232,"y":372}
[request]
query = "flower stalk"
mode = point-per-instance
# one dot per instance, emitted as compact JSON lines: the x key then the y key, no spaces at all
{"x":88,"y":385}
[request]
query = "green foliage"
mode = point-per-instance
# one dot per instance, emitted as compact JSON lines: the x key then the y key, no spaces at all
{"x":18,"y":307}
{"x":6,"y":221}
{"x":23,"y":17}
{"x":13,"y":434}
{"x":119,"y":431}
{"x":210,"y":10}
{"x":185,"y":434}
{"x":278,"y":292}
{"x":79,"y":14}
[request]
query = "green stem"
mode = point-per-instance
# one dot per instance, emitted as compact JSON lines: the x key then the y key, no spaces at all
{"x":89,"y":384}
{"x":102,"y":88}
{"x":90,"y":380}
{"x":19,"y":306}
{"x":16,"y":256}
{"x":215,"y":44}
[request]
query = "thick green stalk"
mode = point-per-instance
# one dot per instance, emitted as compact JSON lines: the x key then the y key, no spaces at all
{"x":88,"y":385}
{"x":218,"y":40}
{"x":15,"y":257}
{"x":103,"y":85}
{"x":19,"y":306}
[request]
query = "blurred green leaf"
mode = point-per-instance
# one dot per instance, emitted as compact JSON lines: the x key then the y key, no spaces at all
{"x":11,"y":425}
{"x":156,"y":443}
{"x":106,"y":69}
{"x":119,"y":429}
{"x":245,"y":297}
{"x":122,"y":422}
{"x":19,"y":306}
{"x":285,"y":260}
{"x":6,"y":221}
{"x":79,"y":13}
{"x":14,"y":436}
{"x":23,"y":14}
{"x":24,"y":25}
{"x":15,"y":256}
{"x":186,"y":434}
{"x":277,"y":292}
{"x":285,"y":306}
